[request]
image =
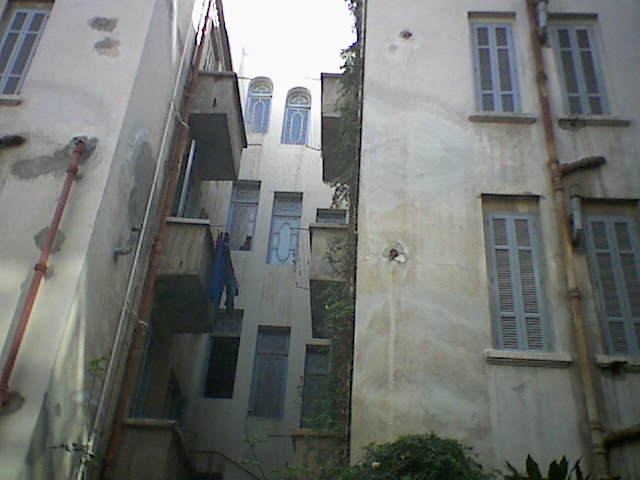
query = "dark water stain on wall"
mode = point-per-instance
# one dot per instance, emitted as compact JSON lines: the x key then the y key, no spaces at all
{"x":108,"y":47}
{"x":103,"y":24}
{"x":41,"y":238}
{"x":57,"y":162}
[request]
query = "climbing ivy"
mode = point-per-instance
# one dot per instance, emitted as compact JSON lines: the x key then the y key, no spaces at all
{"x":332,"y":406}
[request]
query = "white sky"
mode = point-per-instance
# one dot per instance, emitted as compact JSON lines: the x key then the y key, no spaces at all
{"x":302,"y":35}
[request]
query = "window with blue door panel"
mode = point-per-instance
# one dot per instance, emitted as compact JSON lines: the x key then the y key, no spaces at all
{"x":259,"y":104}
{"x":285,"y":228}
{"x":296,"y":117}
{"x":268,"y":387}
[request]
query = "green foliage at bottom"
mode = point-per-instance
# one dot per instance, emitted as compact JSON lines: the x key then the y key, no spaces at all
{"x":558,"y":470}
{"x":416,"y":457}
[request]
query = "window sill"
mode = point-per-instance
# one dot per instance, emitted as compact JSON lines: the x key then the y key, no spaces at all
{"x":618,"y":362}
{"x":576,"y":122}
{"x":524,"y":358}
{"x":502,"y":117}
{"x":11,"y":100}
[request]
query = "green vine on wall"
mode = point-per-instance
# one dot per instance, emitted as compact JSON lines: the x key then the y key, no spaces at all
{"x":332,"y":407}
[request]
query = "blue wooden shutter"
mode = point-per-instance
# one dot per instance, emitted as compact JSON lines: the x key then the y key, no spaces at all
{"x":269,"y":372}
{"x":515,"y":282}
{"x":495,"y":68}
{"x":580,"y":72}
{"x":18,"y":47}
{"x":615,"y":264}
{"x":269,"y":387}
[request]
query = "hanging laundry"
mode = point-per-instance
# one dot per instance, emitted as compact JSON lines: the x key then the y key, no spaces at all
{"x":224,"y":279}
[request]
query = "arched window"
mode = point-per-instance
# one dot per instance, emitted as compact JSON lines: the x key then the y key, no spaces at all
{"x":296,"y":117}
{"x":259,"y":104}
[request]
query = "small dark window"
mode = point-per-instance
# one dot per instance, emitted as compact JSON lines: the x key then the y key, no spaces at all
{"x":221,"y":373}
{"x":331,"y":215}
{"x":223,"y":356}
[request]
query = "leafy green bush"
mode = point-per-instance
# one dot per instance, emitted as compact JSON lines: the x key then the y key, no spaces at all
{"x":416,"y":457}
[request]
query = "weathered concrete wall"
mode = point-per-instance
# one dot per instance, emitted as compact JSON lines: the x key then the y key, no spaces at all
{"x":107,"y":74}
{"x":422,"y":327}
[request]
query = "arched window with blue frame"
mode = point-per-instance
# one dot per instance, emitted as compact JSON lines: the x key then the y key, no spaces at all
{"x":259,"y":104}
{"x":296,"y":117}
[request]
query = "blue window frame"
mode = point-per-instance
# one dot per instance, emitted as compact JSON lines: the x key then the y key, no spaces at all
{"x":243,"y":212}
{"x":285,"y":228}
{"x":270,"y":372}
{"x":18,"y":46}
{"x":296,"y":118}
{"x":614,"y":258}
{"x":580,"y":74}
{"x":494,"y":60}
{"x":259,"y":104}
{"x":518,"y":307}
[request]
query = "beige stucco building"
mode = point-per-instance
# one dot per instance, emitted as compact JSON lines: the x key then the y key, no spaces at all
{"x":497,"y":302}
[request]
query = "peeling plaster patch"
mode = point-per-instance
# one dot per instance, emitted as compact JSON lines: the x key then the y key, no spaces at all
{"x":59,"y":161}
{"x":41,"y":238}
{"x":108,"y":47}
{"x":138,"y":176}
{"x":103,"y":24}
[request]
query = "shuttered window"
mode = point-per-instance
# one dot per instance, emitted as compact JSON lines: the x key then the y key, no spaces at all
{"x":242,"y":214}
{"x":259,"y":105}
{"x":580,"y":74}
{"x":614,"y":259}
{"x":495,"y":68}
{"x":296,"y":118}
{"x":18,"y":46}
{"x":285,"y":229}
{"x":517,"y":297}
{"x":269,"y":372}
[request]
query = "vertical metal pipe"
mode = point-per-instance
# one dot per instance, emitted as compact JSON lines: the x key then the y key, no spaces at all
{"x":137,"y":341}
{"x":598,"y":451}
{"x":40,"y":270}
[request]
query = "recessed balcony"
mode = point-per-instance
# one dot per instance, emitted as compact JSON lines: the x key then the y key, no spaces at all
{"x":182,"y":286}
{"x":217,"y":126}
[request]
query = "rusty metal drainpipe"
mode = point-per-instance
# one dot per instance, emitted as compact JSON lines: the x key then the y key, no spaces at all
{"x":40,"y":270}
{"x":134,"y":359}
{"x":598,"y":450}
